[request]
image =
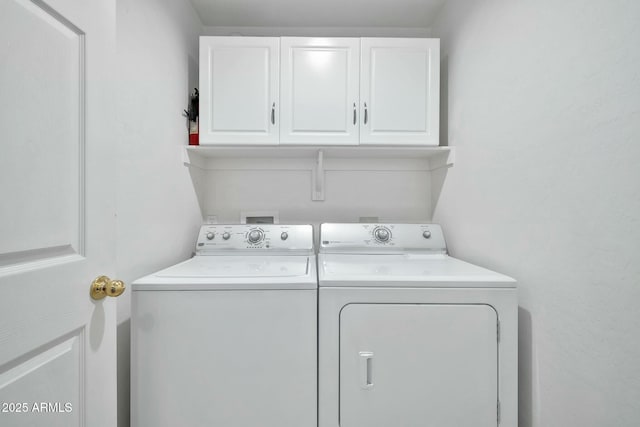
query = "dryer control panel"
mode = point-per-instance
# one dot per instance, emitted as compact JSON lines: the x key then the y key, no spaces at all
{"x":381,"y":238}
{"x":254,"y":238}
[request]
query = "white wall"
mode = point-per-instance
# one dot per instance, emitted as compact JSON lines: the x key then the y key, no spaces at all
{"x":543,"y":101}
{"x":390,"y":195}
{"x":158,"y":212}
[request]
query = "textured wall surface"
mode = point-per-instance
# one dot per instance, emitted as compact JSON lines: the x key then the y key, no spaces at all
{"x":541,"y":101}
{"x":349,"y":195}
{"x":157,"y":208}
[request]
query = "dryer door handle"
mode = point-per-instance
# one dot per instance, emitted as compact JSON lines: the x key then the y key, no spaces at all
{"x":366,"y":370}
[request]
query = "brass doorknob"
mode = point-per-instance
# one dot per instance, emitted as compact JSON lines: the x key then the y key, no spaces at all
{"x":102,"y":286}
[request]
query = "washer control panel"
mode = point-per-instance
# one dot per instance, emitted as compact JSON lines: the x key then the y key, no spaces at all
{"x":377,"y":238}
{"x":254,"y":238}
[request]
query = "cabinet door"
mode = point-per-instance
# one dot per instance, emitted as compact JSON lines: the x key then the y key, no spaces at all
{"x":416,"y":365}
{"x":319,"y":79}
{"x":239,"y":90}
{"x":400,"y":91}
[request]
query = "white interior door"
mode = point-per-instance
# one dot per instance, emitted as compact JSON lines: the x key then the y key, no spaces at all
{"x":319,"y":81}
{"x":57,"y":345}
{"x":416,"y":365}
{"x":239,"y":90}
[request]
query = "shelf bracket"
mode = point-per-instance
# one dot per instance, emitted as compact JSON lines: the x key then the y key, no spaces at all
{"x":186,"y":160}
{"x":192,"y":159}
{"x":446,"y":159}
{"x":317,"y":180}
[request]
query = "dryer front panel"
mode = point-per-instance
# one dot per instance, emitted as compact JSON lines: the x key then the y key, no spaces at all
{"x":418,"y":365}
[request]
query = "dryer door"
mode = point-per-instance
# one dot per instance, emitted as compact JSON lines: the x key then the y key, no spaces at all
{"x":418,"y":365}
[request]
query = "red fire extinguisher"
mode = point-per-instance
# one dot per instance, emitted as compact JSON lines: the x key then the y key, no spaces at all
{"x":192,"y":114}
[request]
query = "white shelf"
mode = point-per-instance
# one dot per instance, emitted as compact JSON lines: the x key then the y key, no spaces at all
{"x":436,"y":157}
{"x":318,"y":159}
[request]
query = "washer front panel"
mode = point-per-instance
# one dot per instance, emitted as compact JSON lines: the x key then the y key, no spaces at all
{"x":232,"y":358}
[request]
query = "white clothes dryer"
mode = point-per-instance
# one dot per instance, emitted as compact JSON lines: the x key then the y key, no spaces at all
{"x":409,"y":336}
{"x":229,"y":337}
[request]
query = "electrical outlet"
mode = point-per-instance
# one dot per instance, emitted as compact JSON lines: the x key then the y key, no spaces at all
{"x":211,"y":219}
{"x":368,"y":219}
{"x":259,"y":217}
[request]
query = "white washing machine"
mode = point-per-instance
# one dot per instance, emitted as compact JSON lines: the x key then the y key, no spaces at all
{"x":229,"y":337}
{"x":409,"y":336}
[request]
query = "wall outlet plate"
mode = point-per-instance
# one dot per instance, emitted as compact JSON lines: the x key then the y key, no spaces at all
{"x":368,"y":219}
{"x":211,"y":219}
{"x":259,"y":217}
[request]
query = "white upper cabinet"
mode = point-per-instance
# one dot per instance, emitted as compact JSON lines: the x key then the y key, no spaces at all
{"x":320,"y":84}
{"x":319,"y":91}
{"x":400,"y":91}
{"x":239,"y":92}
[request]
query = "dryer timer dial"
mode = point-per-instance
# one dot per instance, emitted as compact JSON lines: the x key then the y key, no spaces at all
{"x":382,"y":234}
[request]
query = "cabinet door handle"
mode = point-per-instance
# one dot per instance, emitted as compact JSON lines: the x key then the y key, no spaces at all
{"x":366,"y":114}
{"x":354,"y":113}
{"x":273,"y":113}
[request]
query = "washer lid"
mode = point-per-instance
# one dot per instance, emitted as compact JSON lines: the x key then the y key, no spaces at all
{"x":220,"y":267}
{"x":234,"y":272}
{"x":405,"y":270}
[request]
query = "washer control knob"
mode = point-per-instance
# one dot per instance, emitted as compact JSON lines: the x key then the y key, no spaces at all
{"x":382,"y":234}
{"x":210,"y":235}
{"x":284,"y":235}
{"x":426,"y":234}
{"x":254,"y":236}
{"x":226,"y":235}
